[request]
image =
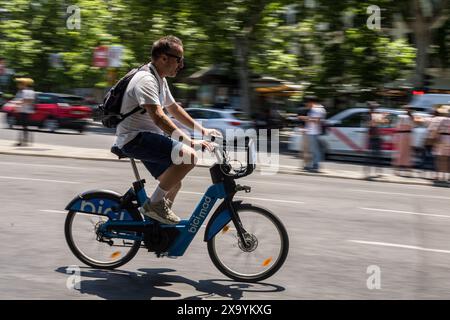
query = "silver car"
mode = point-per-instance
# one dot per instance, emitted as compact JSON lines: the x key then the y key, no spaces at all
{"x":225,"y":121}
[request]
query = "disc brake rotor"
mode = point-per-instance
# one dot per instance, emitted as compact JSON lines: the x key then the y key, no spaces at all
{"x":252,"y":243}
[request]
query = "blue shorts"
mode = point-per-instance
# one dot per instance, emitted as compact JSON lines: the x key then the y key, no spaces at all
{"x":154,"y":150}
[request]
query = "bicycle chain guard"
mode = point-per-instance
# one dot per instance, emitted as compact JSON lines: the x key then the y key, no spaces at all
{"x":158,"y":240}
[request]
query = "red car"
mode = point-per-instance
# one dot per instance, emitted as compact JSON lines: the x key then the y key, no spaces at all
{"x":53,"y":111}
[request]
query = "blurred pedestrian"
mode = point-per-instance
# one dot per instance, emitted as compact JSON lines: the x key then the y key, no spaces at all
{"x":427,"y":161}
{"x":305,"y":155}
{"x":440,"y":133}
{"x":314,"y":119}
{"x":374,"y":156}
{"x":402,"y":160}
{"x":25,"y":105}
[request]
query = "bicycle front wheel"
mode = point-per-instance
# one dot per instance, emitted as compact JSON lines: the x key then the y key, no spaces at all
{"x":268,"y":249}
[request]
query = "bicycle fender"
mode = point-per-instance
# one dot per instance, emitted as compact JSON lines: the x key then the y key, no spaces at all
{"x":219,"y":219}
{"x":99,"y":202}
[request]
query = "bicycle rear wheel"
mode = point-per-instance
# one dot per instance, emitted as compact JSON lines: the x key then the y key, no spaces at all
{"x":81,"y":236}
{"x":266,"y":254}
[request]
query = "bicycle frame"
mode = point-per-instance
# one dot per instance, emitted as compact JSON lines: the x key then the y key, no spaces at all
{"x":124,"y":226}
{"x":121,"y":220}
{"x":223,"y":187}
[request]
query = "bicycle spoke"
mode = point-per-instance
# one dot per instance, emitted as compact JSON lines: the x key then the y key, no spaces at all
{"x":263,"y":253}
{"x":85,"y":227}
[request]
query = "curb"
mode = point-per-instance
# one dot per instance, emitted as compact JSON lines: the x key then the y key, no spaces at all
{"x":281,"y":170}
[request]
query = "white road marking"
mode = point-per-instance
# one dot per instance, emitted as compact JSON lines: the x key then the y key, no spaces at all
{"x":273,"y":200}
{"x":250,"y":198}
{"x":44,"y":165}
{"x":53,"y":211}
{"x":251,"y":181}
{"x":408,"y":212}
{"x":400,"y":194}
{"x":296,"y":185}
{"x":42,"y":180}
{"x":395,"y":245}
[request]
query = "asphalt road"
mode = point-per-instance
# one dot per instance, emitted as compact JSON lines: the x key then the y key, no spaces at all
{"x":346,"y":236}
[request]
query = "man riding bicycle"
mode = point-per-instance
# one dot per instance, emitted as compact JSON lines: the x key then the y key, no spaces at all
{"x":141,"y":135}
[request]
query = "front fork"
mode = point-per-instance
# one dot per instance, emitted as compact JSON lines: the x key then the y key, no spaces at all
{"x":235,"y":217}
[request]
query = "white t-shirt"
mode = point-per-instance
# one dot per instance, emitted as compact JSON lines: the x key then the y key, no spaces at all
{"x":317,"y":111}
{"x":26,"y":95}
{"x":144,"y":88}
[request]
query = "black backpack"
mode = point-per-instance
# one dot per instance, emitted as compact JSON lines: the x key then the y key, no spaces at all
{"x":109,"y":111}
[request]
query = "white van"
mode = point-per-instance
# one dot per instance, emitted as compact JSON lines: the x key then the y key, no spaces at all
{"x":425,"y":102}
{"x":347,"y":133}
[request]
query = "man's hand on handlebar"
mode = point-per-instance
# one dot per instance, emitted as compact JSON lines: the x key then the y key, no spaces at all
{"x":203,"y":144}
{"x":212,"y":132}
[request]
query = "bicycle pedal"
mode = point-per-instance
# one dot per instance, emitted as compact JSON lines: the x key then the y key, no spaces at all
{"x":247,"y":189}
{"x":165,"y":255}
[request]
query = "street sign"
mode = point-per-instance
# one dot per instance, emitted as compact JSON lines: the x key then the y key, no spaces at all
{"x":101,"y":57}
{"x":115,"y":56}
{"x":55,"y":60}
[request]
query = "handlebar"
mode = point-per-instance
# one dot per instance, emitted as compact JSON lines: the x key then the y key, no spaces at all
{"x":222,"y":158}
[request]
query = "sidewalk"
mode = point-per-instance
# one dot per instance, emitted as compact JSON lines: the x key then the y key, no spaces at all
{"x":288,"y":164}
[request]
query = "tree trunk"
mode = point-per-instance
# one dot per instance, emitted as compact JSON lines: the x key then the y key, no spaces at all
{"x":422,"y":39}
{"x":422,"y":27}
{"x":241,"y":52}
{"x":242,"y":48}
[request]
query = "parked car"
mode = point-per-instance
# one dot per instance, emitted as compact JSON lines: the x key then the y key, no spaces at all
{"x":426,"y":102}
{"x":220,"y":119}
{"x":53,"y":111}
{"x":347,"y":133}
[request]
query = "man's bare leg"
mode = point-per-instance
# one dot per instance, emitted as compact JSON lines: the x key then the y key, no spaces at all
{"x":170,"y":180}
{"x":172,"y":193}
{"x":169,"y":184}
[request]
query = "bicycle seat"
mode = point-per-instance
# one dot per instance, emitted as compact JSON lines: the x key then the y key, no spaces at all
{"x":116,"y":150}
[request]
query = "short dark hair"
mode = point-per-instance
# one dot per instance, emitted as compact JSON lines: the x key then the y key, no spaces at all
{"x":164,"y":45}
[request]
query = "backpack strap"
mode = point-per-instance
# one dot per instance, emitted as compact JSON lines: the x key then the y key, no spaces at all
{"x":136,"y":109}
{"x":144,"y":67}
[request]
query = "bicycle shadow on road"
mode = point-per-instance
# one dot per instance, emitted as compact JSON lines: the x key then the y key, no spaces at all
{"x":147,"y":284}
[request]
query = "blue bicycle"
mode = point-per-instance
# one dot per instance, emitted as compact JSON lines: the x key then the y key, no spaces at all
{"x":104,"y":229}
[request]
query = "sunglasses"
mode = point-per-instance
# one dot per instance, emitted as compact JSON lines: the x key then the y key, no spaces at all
{"x":179,"y":59}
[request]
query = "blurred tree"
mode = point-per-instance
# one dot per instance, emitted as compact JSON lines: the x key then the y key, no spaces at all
{"x":425,"y":20}
{"x":330,"y":46}
{"x":33,"y":31}
{"x":234,"y":28}
{"x":423,"y":17}
{"x":324,"y":42}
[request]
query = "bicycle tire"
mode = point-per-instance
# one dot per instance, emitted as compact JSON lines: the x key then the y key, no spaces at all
{"x":217,"y":259}
{"x":88,"y":260}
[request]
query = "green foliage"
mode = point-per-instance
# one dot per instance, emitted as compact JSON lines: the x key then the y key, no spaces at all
{"x":318,"y":48}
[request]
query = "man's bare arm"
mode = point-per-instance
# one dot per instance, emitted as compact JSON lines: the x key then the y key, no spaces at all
{"x":164,"y":123}
{"x":178,"y":113}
